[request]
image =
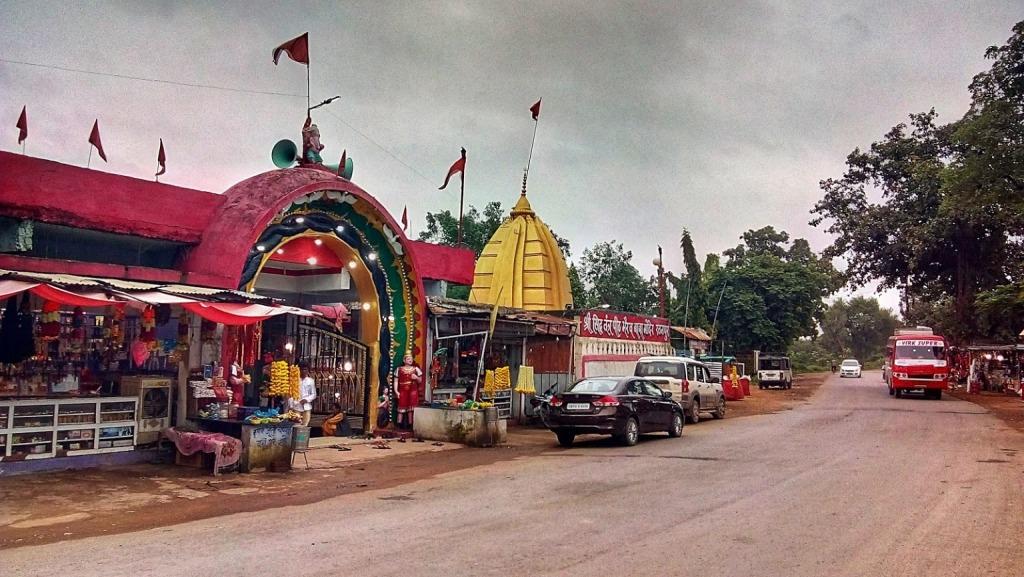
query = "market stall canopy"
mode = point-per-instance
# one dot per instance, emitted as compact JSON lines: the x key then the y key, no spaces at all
{"x":543,"y":323}
{"x":229,"y":307}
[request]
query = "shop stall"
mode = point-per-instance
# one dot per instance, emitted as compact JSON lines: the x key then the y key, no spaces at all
{"x":91,"y":365}
{"x":990,"y":368}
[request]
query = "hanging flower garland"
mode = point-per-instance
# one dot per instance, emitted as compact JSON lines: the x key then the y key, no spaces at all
{"x":183,"y":331}
{"x":148,"y":333}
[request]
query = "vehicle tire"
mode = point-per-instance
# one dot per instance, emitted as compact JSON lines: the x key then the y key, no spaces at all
{"x":565,"y":438}
{"x":760,"y":387}
{"x":719,"y":412}
{"x":935,"y":394}
{"x":899,"y":393}
{"x":892,"y":391}
{"x":693,"y":415}
{"x":675,"y":430}
{"x":789,"y":384}
{"x":630,"y":432}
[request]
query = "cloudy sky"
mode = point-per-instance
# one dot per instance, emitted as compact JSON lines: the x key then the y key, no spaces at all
{"x":714,"y":116}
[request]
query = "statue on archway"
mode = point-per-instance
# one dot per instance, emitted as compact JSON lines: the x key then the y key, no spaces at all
{"x":311,"y":145}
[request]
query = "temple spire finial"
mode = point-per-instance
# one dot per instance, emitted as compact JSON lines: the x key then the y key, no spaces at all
{"x":524,"y":183}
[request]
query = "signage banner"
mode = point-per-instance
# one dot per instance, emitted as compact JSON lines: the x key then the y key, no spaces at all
{"x":624,"y":326}
{"x":919,"y":343}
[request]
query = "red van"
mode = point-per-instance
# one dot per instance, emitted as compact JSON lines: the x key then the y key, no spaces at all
{"x":917,"y":362}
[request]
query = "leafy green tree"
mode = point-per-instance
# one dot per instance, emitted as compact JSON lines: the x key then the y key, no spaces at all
{"x":478,"y":228}
{"x":946,"y":222}
{"x":771,"y":294}
{"x":580,"y":296}
{"x":689,"y":305}
{"x":610,"y":278}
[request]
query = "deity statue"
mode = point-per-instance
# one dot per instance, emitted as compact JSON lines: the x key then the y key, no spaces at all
{"x":311,"y":146}
{"x":407,"y":389}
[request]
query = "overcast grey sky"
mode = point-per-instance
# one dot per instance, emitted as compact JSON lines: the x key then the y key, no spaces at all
{"x":714,"y":116}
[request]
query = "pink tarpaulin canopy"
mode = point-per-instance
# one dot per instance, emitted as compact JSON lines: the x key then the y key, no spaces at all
{"x":240,"y":313}
{"x":93,"y":299}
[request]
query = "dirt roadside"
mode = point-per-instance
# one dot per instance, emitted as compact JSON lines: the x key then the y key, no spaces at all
{"x":1008,"y":408}
{"x":67,"y":505}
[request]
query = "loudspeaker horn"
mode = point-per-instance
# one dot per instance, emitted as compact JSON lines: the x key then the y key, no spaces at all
{"x":284,"y":154}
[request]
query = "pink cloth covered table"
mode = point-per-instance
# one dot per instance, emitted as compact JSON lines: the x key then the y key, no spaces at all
{"x":226,"y":450}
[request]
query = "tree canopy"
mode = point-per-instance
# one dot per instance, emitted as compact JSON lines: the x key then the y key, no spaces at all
{"x":609,"y":278}
{"x":936,"y":210}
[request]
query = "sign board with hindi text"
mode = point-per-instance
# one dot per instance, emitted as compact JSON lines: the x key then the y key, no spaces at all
{"x":623,"y":326}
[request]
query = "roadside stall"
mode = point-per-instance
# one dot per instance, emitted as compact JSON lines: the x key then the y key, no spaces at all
{"x":92,"y":365}
{"x":991,"y":368}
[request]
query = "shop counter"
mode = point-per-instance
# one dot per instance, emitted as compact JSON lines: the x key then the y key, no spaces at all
{"x":68,"y":426}
{"x":267,"y":446}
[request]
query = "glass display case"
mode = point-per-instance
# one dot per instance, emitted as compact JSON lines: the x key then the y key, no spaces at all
{"x":42,"y":428}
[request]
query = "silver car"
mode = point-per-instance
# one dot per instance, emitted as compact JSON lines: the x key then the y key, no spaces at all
{"x":690,"y":383}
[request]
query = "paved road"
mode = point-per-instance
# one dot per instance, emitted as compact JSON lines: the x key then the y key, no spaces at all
{"x":854,"y":483}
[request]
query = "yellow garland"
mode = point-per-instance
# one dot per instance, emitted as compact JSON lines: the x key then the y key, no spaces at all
{"x":294,"y":382}
{"x":279,"y":385}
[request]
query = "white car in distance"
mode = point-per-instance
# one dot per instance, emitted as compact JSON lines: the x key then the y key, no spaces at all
{"x":850,"y":368}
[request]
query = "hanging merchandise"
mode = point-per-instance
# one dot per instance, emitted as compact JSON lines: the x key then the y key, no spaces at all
{"x":163,"y":315}
{"x":502,"y":378}
{"x":207,"y":331}
{"x":183,"y":331}
{"x":25,"y":342}
{"x":49,"y":328}
{"x":140,"y":352}
{"x":9,"y":333}
{"x":117,"y":328}
{"x":279,"y":385}
{"x":294,"y":382}
{"x":524,"y":384}
{"x":489,"y":382}
{"x":148,"y":333}
{"x":78,"y":324}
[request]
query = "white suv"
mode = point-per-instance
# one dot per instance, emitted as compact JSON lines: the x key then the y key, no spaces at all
{"x":689,"y":381}
{"x":850,"y":368}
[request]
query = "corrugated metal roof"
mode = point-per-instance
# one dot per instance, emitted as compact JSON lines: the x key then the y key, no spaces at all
{"x":545,"y":323}
{"x":694,"y":333}
{"x":128,"y":287}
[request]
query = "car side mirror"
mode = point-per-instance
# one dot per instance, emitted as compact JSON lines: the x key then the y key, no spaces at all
{"x":666,"y":394}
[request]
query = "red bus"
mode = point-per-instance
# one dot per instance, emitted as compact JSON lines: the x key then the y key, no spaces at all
{"x":917,"y":363}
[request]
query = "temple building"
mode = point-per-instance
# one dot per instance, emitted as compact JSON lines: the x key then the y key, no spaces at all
{"x":521,"y":266}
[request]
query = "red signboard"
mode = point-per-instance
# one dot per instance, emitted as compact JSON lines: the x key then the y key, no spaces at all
{"x":623,"y":326}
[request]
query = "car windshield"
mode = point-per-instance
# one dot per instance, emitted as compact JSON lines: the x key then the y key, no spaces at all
{"x":660,"y":369}
{"x":920,"y":350}
{"x":850,"y":363}
{"x":594,"y":386}
{"x":774,"y":364}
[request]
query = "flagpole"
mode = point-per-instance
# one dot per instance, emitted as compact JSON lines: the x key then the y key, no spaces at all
{"x":532,"y":142}
{"x":462,"y":197}
{"x":307,"y":87}
{"x":88,"y":163}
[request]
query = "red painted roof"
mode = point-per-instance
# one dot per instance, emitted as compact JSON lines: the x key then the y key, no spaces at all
{"x":441,"y":262}
{"x":48,"y":191}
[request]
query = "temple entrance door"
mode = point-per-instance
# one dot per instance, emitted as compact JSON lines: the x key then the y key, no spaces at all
{"x":340,"y":366}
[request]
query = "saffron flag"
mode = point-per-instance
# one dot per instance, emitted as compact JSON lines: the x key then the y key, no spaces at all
{"x":296,"y":48}
{"x":535,"y":110}
{"x":458,"y":167}
{"x":94,"y":139}
{"x":344,"y":161}
{"x":405,"y":218}
{"x":22,"y":126}
{"x":161,"y":159}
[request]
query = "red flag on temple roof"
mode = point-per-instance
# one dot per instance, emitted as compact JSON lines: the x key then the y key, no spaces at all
{"x":535,"y":109}
{"x":22,"y":126}
{"x":458,"y":167}
{"x":94,"y":139}
{"x":405,"y":218}
{"x":161,"y":159}
{"x":296,"y":48}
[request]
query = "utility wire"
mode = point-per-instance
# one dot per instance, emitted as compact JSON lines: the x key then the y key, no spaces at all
{"x":226,"y":89}
{"x":155,"y":80}
{"x":380,"y":146}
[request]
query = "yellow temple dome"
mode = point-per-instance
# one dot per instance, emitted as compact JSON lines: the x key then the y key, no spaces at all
{"x":521,"y":266}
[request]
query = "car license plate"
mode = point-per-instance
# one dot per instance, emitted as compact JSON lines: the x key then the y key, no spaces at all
{"x":577,"y":406}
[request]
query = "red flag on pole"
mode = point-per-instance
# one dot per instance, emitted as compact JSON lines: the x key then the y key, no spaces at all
{"x":296,"y":48}
{"x":458,"y":167}
{"x":405,"y":218}
{"x":535,"y":110}
{"x":344,"y":161}
{"x":22,"y":126}
{"x":161,"y":159}
{"x":94,"y":139}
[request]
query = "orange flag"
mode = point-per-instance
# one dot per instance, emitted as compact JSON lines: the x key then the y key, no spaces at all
{"x":458,"y":167}
{"x":535,"y":110}
{"x":94,"y":139}
{"x":296,"y":48}
{"x":405,"y":218}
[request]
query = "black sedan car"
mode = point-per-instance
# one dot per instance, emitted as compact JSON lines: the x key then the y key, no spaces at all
{"x":624,"y":407}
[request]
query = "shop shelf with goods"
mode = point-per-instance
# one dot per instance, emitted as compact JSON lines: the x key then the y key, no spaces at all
{"x":43,"y":428}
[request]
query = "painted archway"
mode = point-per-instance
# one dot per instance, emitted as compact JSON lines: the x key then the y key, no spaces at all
{"x":273,"y":208}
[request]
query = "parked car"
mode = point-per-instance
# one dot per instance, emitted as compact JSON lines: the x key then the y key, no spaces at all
{"x":624,"y":407}
{"x":689,"y":381}
{"x":774,"y":371}
{"x":850,"y":368}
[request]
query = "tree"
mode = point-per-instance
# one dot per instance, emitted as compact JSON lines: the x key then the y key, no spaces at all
{"x":689,"y":306}
{"x":950,"y":199}
{"x":610,"y":278}
{"x":580,"y":296}
{"x":858,"y":327}
{"x":443,"y":227}
{"x":770,"y":294}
